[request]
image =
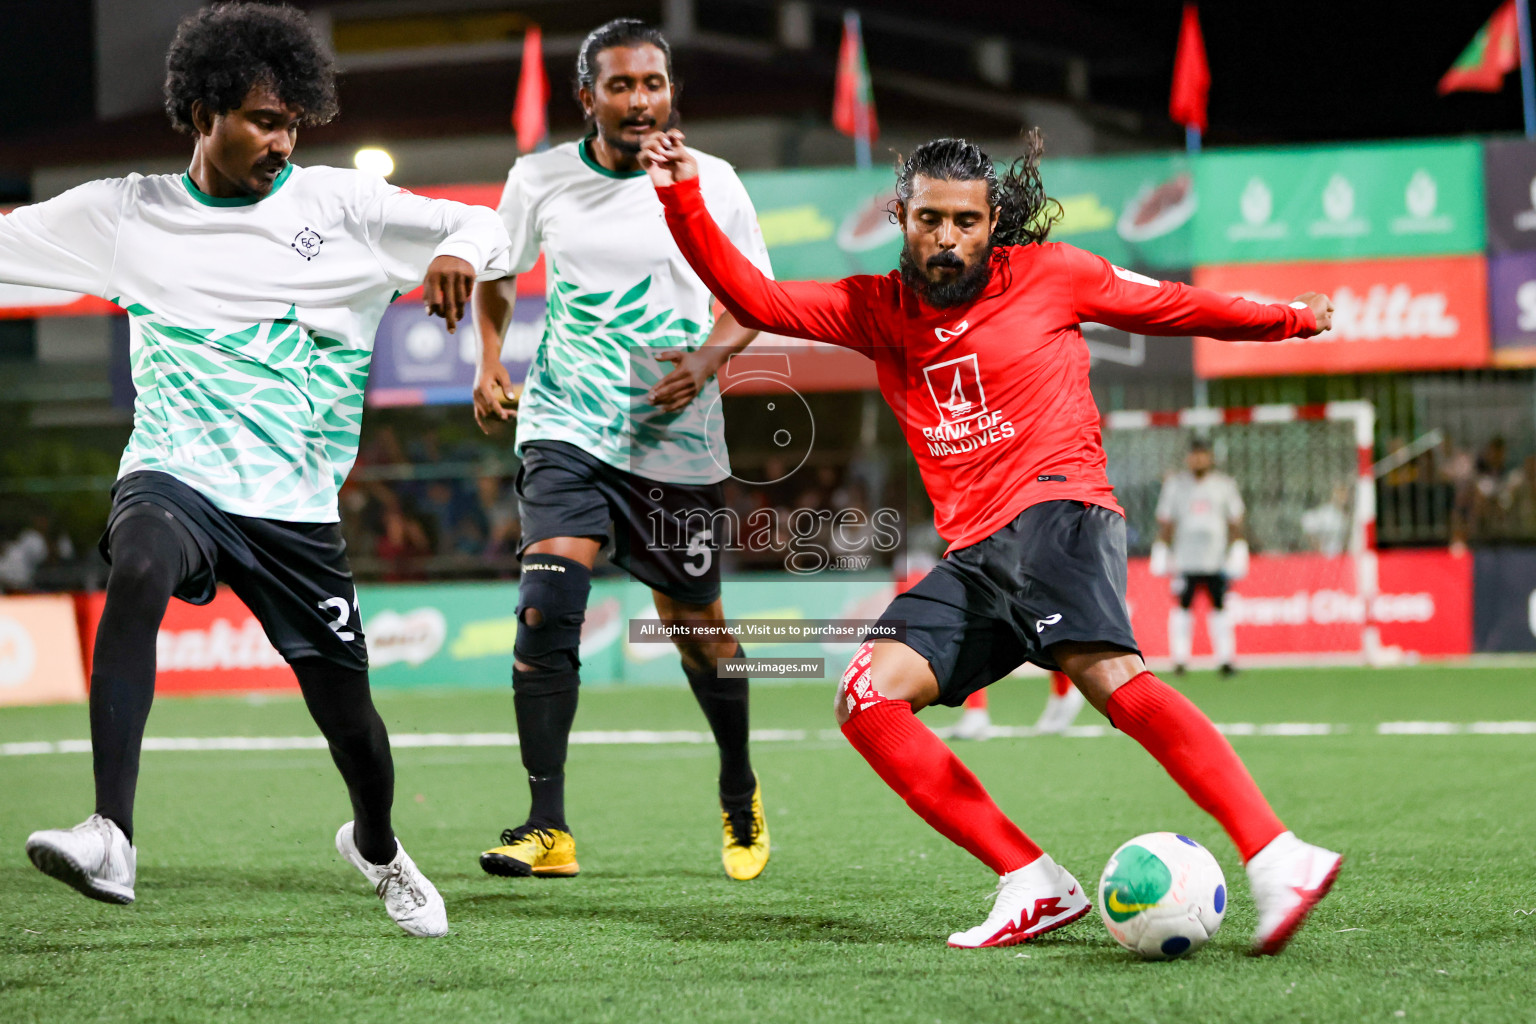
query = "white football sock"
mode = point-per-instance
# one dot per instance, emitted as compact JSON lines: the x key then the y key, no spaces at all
{"x":1223,"y":636}
{"x":1181,"y":635}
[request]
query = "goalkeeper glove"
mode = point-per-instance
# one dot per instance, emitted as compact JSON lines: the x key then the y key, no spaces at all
{"x":1237,"y":561}
{"x":1159,"y":564}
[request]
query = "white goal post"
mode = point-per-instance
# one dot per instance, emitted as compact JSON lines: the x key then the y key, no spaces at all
{"x":1305,"y":473}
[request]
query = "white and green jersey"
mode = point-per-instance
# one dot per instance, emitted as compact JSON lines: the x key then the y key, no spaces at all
{"x":618,"y":289}
{"x":252,"y":321}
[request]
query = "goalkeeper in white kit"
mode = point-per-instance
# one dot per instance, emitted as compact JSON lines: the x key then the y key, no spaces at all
{"x":1200,"y":541}
{"x":253,"y":289}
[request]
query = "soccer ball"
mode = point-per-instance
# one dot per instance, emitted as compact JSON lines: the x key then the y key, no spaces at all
{"x":1162,"y":895}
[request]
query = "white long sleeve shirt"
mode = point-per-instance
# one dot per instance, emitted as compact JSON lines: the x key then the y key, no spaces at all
{"x":252,"y":320}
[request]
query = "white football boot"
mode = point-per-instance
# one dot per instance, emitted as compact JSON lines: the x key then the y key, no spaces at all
{"x":411,"y":900}
{"x":1037,"y":898}
{"x":94,"y":857}
{"x":1288,"y":877}
{"x":1060,"y":712}
{"x":974,"y":724}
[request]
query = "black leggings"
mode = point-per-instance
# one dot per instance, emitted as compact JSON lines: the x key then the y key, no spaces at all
{"x":151,"y":555}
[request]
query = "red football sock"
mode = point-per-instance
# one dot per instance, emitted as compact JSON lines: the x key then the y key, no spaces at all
{"x":934,"y":783}
{"x":1060,"y":684}
{"x":976,"y":701}
{"x":1198,"y":757}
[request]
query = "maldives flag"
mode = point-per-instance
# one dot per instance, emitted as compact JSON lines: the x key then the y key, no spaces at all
{"x":1493,"y":53}
{"x":528,"y":112}
{"x":1191,"y":74}
{"x":853,"y":105}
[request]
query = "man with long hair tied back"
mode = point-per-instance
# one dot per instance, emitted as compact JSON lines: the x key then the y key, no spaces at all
{"x":978,"y":348}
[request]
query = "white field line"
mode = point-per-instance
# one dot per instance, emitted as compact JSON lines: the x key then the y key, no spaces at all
{"x":647,"y":737}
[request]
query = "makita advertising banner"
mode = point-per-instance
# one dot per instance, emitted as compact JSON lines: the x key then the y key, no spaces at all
{"x":1390,"y":199}
{"x":1409,"y":314}
{"x":1509,"y":183}
{"x":1310,"y":606}
{"x":1512,"y":308}
{"x":214,"y":647}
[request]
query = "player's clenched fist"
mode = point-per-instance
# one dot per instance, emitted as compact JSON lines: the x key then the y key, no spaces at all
{"x":1321,"y":307}
{"x":666,"y":159}
{"x":495,"y":395}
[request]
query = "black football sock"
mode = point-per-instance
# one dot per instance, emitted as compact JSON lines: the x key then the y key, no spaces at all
{"x":724,"y":702}
{"x":339,"y":700}
{"x":545,"y":703}
{"x":147,"y":566}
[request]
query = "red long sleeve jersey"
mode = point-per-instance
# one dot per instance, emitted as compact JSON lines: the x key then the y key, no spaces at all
{"x":993,"y":396}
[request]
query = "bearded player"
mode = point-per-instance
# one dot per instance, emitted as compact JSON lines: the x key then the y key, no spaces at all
{"x":609,"y":437}
{"x":978,"y":350}
{"x":1200,"y":539}
{"x":254,"y":289}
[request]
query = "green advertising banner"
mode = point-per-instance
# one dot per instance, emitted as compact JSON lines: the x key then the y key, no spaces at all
{"x":460,"y":635}
{"x":820,"y":225}
{"x":1135,"y":211}
{"x":826,"y":224}
{"x":1394,"y":199}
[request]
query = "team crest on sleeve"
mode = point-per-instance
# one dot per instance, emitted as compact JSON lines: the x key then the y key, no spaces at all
{"x":307,"y":243}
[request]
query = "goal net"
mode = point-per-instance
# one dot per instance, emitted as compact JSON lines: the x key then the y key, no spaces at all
{"x":1304,"y":472}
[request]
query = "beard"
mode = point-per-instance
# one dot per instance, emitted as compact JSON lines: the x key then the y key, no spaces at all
{"x":620,"y":144}
{"x":958,"y":291}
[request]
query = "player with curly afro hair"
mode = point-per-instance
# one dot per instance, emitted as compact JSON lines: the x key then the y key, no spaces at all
{"x":242,"y":78}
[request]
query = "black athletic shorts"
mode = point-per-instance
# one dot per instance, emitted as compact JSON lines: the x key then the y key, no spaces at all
{"x":661,"y":531}
{"x":294,"y":577}
{"x":1057,"y":572}
{"x":1215,"y":584}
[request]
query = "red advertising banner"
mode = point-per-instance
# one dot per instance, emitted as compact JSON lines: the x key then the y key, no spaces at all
{"x":216,"y":647}
{"x":1310,"y":605}
{"x":1400,"y":314}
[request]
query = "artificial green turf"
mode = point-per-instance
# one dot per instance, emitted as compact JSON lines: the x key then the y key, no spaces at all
{"x":245,"y":912}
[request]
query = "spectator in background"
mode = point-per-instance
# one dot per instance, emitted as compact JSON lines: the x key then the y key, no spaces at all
{"x":1522,"y":493}
{"x":402,"y":543}
{"x":1327,"y":526}
{"x":23,"y":556}
{"x":1486,"y":504}
{"x":498,"y":504}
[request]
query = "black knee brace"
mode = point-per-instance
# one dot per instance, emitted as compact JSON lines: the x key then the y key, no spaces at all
{"x":551,"y":605}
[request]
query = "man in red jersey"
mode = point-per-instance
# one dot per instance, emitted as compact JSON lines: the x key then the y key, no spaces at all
{"x":979,"y":352}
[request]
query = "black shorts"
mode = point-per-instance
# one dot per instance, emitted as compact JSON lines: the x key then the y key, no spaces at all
{"x":1215,"y":584}
{"x":294,"y":577}
{"x":1057,"y":572}
{"x":661,"y":531}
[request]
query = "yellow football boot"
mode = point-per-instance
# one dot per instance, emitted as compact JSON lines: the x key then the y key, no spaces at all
{"x":527,"y":850}
{"x":745,"y":849}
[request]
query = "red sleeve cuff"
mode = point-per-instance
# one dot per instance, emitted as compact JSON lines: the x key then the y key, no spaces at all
{"x":1308,"y":321}
{"x":681,"y":197}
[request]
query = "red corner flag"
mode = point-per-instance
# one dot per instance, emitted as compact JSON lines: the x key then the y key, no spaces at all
{"x":1492,"y":54}
{"x":528,"y":112}
{"x":853,"y":104}
{"x":1191,"y":74}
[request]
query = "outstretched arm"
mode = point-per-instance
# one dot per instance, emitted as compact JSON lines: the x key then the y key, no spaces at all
{"x":1104,"y":293}
{"x":68,"y":242}
{"x":823,"y":312}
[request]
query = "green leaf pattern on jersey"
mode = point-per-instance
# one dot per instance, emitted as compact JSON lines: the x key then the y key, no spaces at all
{"x":589,"y":379}
{"x":263,"y":420}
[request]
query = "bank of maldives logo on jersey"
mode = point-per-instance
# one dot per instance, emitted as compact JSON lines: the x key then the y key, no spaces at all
{"x":955,"y":387}
{"x":307,"y":243}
